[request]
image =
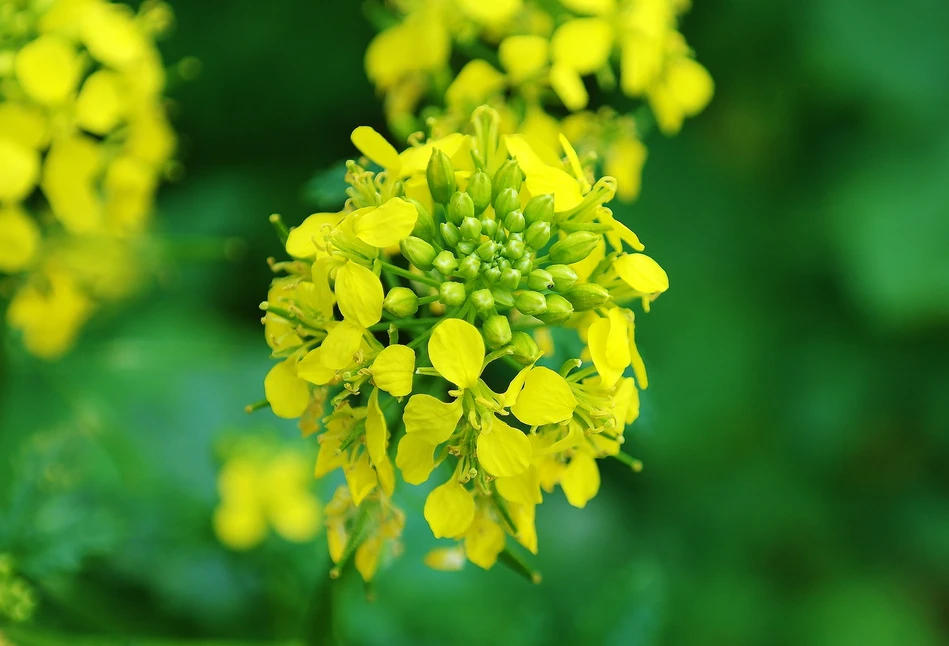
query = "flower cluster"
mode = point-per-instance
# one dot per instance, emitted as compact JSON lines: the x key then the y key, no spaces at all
{"x":532,"y":60}
{"x":389,"y":318}
{"x":84,"y":140}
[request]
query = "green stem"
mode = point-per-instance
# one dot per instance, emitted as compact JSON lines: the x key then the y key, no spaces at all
{"x":405,"y":273}
{"x":402,"y":323}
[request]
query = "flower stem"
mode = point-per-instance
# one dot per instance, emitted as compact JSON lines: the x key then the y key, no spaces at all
{"x":405,"y":273}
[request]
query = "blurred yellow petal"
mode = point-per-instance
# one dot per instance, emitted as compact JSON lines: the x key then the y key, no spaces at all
{"x":19,"y":170}
{"x":583,"y":44}
{"x":24,"y":124}
{"x":484,"y":540}
{"x":523,"y":56}
{"x":492,"y":13}
{"x":328,"y":459}
{"x":542,"y":179}
{"x":377,"y":433}
{"x":624,"y":161}
{"x":374,"y":146}
{"x":415,"y":458}
{"x":523,"y":516}
{"x":360,"y":478}
{"x":568,"y":85}
{"x":288,"y":394}
{"x":385,"y":225}
{"x":336,"y":539}
{"x":642,"y":273}
{"x":112,"y":35}
{"x":590,"y":7}
{"x":420,"y":43}
{"x":367,"y":557}
{"x":239,"y":527}
{"x":449,"y":510}
{"x":545,"y":399}
{"x":49,"y":316}
{"x":433,"y":420}
{"x":393,"y":369}
{"x":456,"y":350}
{"x":446,"y":559}
{"x":297,"y":518}
{"x":48,"y":69}
{"x":19,"y":239}
{"x":69,"y":174}
{"x":690,"y":84}
{"x":101,"y":104}
{"x":359,"y":294}
{"x":523,"y":488}
{"x":503,"y":451}
{"x":641,"y":60}
{"x":474,"y":84}
{"x":581,"y":479}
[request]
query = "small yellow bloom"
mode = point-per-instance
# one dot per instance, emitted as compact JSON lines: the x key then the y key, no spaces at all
{"x":48,"y":69}
{"x":523,"y":56}
{"x":385,"y":225}
{"x":583,"y":44}
{"x":287,"y":393}
{"x":393,"y":370}
{"x":484,"y":540}
{"x":503,"y":450}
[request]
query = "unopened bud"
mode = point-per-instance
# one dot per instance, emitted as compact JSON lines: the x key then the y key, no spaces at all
{"x":445,"y":262}
{"x":508,"y":176}
{"x":470,"y":229}
{"x":514,"y":221}
{"x":525,"y":349}
{"x":575,"y":247}
{"x":502,"y":298}
{"x":524,"y":264}
{"x":401,"y":302}
{"x":538,"y":235}
{"x":482,"y":300}
{"x":489,"y":227}
{"x":540,"y":280}
{"x":450,"y":233}
{"x":441,"y":177}
{"x":466,"y":247}
{"x":479,"y":188}
{"x":451,"y":293}
{"x":510,"y":278}
{"x":559,"y":309}
{"x":418,"y":252}
{"x":424,"y":225}
{"x":460,"y":207}
{"x":540,"y":208}
{"x":487,"y":250}
{"x":497,"y":331}
{"x":531,"y":303}
{"x":469,"y":267}
{"x":514,"y":249}
{"x":564,"y":277}
{"x":587,"y":296}
{"x":492,"y":275}
{"x":506,"y":202}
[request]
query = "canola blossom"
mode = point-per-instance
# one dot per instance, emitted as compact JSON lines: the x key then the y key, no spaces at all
{"x":535,"y":62}
{"x":411,"y":323}
{"x":84,"y":142}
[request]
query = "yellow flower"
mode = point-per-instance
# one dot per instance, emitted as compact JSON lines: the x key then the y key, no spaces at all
{"x":49,"y":311}
{"x":365,"y":533}
{"x":19,"y":239}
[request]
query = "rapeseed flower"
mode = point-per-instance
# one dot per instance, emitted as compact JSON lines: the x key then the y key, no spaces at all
{"x":84,"y":143}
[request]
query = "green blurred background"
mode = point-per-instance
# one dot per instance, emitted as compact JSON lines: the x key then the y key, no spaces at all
{"x":796,"y":488}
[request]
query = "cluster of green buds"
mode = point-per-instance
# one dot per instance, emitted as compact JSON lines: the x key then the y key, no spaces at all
{"x":460,"y":252}
{"x":17,"y":599}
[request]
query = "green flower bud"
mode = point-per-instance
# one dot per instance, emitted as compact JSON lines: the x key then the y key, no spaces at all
{"x":489,"y":227}
{"x":492,"y":275}
{"x":525,"y":349}
{"x":460,"y":207}
{"x":482,"y":300}
{"x":575,"y":247}
{"x":506,"y":202}
{"x":425,"y":225}
{"x":510,"y":278}
{"x":514,"y":221}
{"x":497,"y":331}
{"x":418,"y":252}
{"x":508,"y":176}
{"x":519,"y":235}
{"x":559,"y":309}
{"x":538,"y":234}
{"x":445,"y":262}
{"x":469,"y":267}
{"x":540,"y":280}
{"x":586,"y":296}
{"x":502,"y":298}
{"x":524,"y":264}
{"x":539,"y":209}
{"x":441,"y":177}
{"x":487,"y":250}
{"x":530,"y":303}
{"x":479,"y":188}
{"x":514,"y":249}
{"x":401,"y":302}
{"x":451,"y":293}
{"x":470,"y":229}
{"x":466,"y":247}
{"x":564,"y":277}
{"x":503,"y":264}
{"x":450,"y":234}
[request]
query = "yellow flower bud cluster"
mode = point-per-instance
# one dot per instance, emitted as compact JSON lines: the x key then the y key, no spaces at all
{"x":461,"y":251}
{"x":84,"y":141}
{"x":531,"y":60}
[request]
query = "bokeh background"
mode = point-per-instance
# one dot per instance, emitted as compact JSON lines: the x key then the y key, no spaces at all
{"x":795,"y":432}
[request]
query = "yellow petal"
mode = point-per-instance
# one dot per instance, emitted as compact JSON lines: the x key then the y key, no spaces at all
{"x":642,"y":273}
{"x":300,"y":241}
{"x":545,"y":399}
{"x":377,"y":434}
{"x":484,"y":540}
{"x":393,"y":369}
{"x":359,"y":294}
{"x":568,"y":85}
{"x":636,"y":359}
{"x":386,"y":475}
{"x":288,"y":394}
{"x":624,"y":161}
{"x":523,"y":516}
{"x":474,"y":84}
{"x":446,"y":559}
{"x":456,"y":350}
{"x":581,"y":479}
{"x":24,"y":124}
{"x":239,"y":527}
{"x":323,"y":297}
{"x":415,"y":458}
{"x":690,"y":84}
{"x":360,"y":478}
{"x":590,"y":7}
{"x":523,"y":488}
{"x":640,"y":63}
{"x":514,"y":388}
{"x":493,"y":13}
{"x":503,"y":451}
{"x":456,"y":146}
{"x":48,"y":69}
{"x":609,"y":346}
{"x":19,"y":170}
{"x":583,"y":44}
{"x":19,"y":239}
{"x":328,"y":458}
{"x":449,"y":510}
{"x":112,"y":35}
{"x":297,"y":518}
{"x":367,"y":557}
{"x":385,"y":225}
{"x":523,"y":56}
{"x":340,"y":345}
{"x":430,"y":419}
{"x":374,"y":146}
{"x":312,"y":368}
{"x":100,"y":105}
{"x":336,"y":539}
{"x":542,"y":179}
{"x":70,"y":171}
{"x":625,"y":404}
